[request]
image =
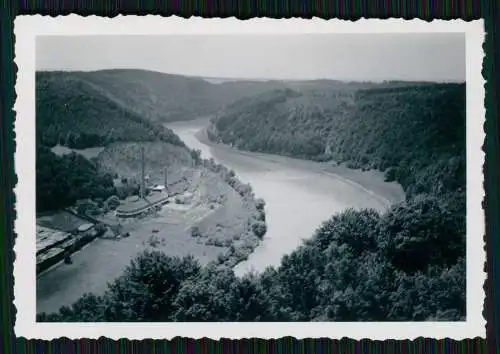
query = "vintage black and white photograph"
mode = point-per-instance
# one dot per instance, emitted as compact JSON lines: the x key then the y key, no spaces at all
{"x":252,"y":178}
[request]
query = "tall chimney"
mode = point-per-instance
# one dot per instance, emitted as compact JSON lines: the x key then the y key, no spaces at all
{"x":165,"y":176}
{"x":143,"y":184}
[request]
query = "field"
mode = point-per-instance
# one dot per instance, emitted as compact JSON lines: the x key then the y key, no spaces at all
{"x":88,"y":153}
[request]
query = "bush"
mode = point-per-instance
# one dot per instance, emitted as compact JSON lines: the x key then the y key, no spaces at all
{"x":390,"y":174}
{"x":218,"y":243}
{"x":196,"y":156}
{"x":195,"y":231}
{"x":112,"y":202}
{"x":87,"y":207}
{"x":259,"y":228}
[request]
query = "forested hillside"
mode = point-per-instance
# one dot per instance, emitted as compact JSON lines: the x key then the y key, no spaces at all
{"x":74,"y":113}
{"x":157,"y":96}
{"x":414,"y":133}
{"x":62,"y":180}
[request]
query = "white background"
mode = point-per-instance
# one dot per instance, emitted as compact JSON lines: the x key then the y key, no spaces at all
{"x":28,"y":27}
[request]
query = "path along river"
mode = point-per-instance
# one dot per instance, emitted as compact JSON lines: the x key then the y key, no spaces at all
{"x":299,"y":194}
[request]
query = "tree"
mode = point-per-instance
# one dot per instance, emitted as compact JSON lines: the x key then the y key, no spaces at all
{"x":148,"y":287}
{"x":217,"y":295}
{"x":356,"y":229}
{"x":421,"y":232}
{"x":112,"y":202}
{"x":260,"y":204}
{"x":259,"y":228}
{"x":62,"y":180}
{"x":206,"y":297}
{"x":87,"y":207}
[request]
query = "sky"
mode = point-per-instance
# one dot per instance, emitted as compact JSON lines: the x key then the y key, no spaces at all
{"x":357,"y":57}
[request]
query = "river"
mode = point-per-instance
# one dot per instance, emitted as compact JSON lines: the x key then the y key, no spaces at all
{"x":299,"y":194}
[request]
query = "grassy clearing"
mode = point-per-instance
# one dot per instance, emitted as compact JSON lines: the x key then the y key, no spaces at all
{"x":88,"y":153}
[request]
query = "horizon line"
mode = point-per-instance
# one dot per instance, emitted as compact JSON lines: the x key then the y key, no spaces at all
{"x":229,"y":78}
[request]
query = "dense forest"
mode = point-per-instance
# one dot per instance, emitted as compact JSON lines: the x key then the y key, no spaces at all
{"x":62,"y":180}
{"x":72,"y":113}
{"x":414,"y":133}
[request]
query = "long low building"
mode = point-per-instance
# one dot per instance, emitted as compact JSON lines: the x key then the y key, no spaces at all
{"x":47,"y":238}
{"x":55,"y":240}
{"x":142,"y":206}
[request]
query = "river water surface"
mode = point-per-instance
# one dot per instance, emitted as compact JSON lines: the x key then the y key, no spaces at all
{"x":299,"y":195}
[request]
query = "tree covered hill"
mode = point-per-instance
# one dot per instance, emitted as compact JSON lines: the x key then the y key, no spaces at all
{"x":74,"y":113}
{"x":158,"y":96}
{"x":415,"y":132}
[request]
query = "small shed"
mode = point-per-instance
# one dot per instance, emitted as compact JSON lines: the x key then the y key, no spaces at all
{"x":158,"y":188}
{"x":85,"y":227}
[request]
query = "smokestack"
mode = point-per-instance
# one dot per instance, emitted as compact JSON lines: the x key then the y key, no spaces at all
{"x":165,"y":177}
{"x":143,"y":184}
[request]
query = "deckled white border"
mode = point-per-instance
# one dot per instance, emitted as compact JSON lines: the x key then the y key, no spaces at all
{"x":27,"y":27}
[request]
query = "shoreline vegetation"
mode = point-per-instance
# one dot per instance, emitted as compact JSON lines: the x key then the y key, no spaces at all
{"x":389,"y":193}
{"x":407,"y":264}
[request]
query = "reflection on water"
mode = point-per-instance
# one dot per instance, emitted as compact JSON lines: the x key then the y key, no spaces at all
{"x":297,"y":199}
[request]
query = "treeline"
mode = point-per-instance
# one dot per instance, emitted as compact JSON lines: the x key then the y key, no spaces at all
{"x":62,"y":180}
{"x":359,"y":266}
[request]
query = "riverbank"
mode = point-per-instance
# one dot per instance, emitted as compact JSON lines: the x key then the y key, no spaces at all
{"x":300,"y":195}
{"x":370,"y":181}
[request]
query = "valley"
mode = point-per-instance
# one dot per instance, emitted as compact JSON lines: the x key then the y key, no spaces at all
{"x":275,"y":194}
{"x":299,"y":194}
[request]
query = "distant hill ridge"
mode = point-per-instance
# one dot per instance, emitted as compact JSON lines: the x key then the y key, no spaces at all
{"x":158,"y":96}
